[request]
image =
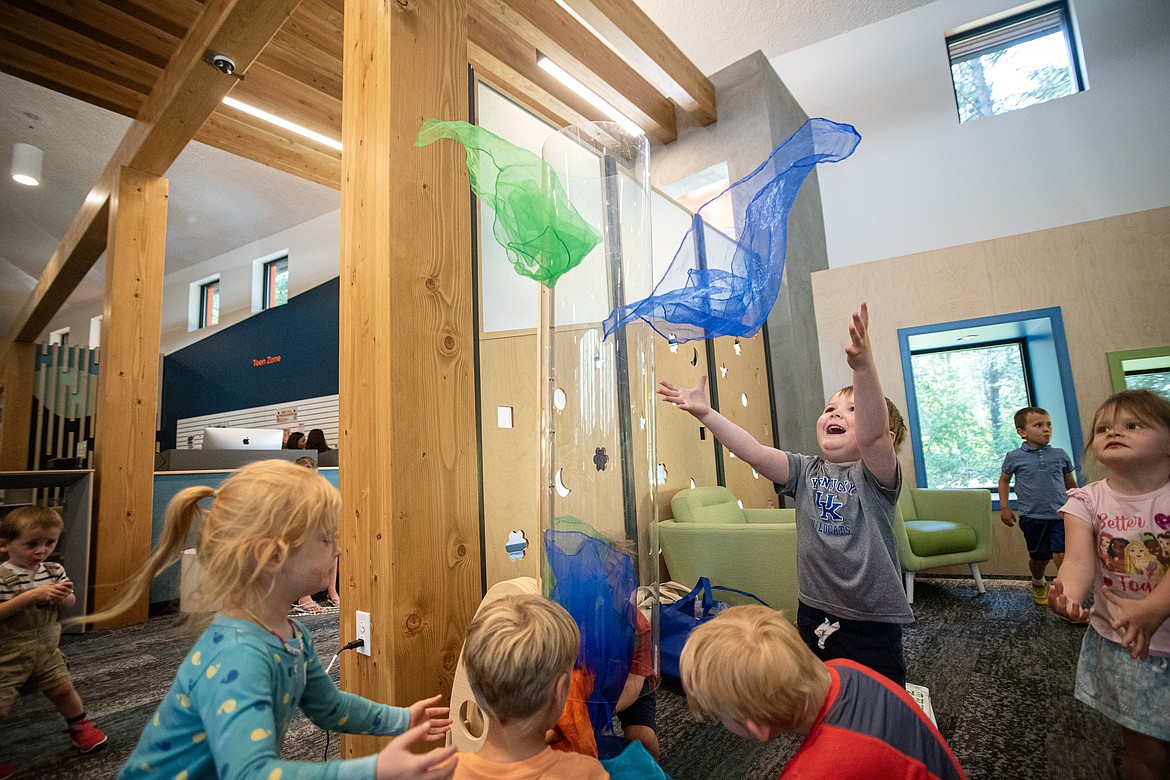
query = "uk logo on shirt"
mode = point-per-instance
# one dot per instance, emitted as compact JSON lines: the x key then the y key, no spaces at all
{"x":829,"y":506}
{"x":829,"y":496}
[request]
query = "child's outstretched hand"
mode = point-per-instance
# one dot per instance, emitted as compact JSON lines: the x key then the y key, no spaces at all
{"x":428,"y":711}
{"x":858,"y":354}
{"x":1137,"y":620}
{"x":689,"y":399}
{"x":396,"y":762}
{"x":1061,"y":604}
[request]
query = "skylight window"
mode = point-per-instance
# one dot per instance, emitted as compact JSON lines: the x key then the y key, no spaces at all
{"x":1013,"y":62}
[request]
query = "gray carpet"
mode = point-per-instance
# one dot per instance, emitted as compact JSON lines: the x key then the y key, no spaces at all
{"x":1000,"y":672}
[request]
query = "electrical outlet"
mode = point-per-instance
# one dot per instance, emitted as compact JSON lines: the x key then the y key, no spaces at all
{"x":363,"y":632}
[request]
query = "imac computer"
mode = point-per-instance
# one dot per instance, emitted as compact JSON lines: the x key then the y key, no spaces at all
{"x":242,"y":438}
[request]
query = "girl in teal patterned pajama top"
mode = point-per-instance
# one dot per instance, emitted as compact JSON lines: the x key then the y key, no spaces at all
{"x":269,"y":536}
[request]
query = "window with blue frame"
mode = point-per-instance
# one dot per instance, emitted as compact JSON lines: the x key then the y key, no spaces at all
{"x":966,"y":379}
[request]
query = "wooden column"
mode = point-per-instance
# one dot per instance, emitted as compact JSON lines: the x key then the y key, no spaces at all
{"x":16,"y":384}
{"x":128,"y":385}
{"x":409,"y":485}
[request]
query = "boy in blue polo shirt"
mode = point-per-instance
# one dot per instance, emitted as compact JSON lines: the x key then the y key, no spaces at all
{"x":1043,"y":476}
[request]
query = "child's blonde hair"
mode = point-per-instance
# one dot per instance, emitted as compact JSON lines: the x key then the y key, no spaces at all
{"x":897,"y":424}
{"x":750,"y":664}
{"x":259,"y":515}
{"x":1147,"y":406}
{"x":23,"y":519}
{"x":516,"y":650}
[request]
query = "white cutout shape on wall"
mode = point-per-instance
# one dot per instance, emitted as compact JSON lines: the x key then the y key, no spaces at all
{"x":562,"y":491}
{"x":516,"y":545}
{"x":503,"y":417}
{"x":559,"y":399}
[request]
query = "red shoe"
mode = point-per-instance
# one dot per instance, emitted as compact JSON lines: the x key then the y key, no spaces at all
{"x":86,"y":736}
{"x":7,"y":770}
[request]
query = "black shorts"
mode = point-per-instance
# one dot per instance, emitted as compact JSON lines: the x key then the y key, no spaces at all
{"x":872,"y":644}
{"x":643,"y":712}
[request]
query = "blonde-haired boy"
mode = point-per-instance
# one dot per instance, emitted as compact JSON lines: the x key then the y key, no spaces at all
{"x":519,"y":655}
{"x":32,"y":591}
{"x":749,"y":669}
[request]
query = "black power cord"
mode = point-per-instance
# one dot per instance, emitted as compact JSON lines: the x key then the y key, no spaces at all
{"x":355,"y":644}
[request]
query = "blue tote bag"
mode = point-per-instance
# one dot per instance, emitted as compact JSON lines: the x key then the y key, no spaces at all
{"x":677,"y":620}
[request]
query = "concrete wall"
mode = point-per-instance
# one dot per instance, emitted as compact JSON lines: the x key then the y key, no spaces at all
{"x":920,"y":181}
{"x":756,"y":114}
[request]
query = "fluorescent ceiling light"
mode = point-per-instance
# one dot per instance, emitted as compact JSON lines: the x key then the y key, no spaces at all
{"x":287,"y":125}
{"x":561,"y":75}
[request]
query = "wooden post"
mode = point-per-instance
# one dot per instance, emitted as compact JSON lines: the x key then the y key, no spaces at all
{"x":16,"y":384}
{"x":409,"y":482}
{"x":128,"y":385}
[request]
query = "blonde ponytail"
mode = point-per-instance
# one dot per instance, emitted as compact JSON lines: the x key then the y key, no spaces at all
{"x":180,"y":517}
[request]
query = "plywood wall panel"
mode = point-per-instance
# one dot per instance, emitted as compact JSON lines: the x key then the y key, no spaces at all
{"x":742,"y":375}
{"x":1109,"y":277}
{"x":511,"y":456}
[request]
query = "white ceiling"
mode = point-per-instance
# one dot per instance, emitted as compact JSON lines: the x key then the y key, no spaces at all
{"x":219,"y":201}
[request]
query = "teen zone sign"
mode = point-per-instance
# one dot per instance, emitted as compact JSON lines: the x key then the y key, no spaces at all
{"x":265,"y":361}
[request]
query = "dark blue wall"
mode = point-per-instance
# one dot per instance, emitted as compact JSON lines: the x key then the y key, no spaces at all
{"x":237,"y":367}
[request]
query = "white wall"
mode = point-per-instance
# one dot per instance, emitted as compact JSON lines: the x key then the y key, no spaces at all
{"x":919,"y":181}
{"x":314,"y":256}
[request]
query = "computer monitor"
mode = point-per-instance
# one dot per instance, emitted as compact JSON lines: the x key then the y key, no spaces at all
{"x":242,"y":438}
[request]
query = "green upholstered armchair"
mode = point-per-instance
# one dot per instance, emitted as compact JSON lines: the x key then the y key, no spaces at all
{"x":749,"y":549}
{"x":942,"y":528}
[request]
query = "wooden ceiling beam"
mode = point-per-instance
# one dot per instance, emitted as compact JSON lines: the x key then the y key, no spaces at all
{"x":508,"y":62}
{"x":635,"y":36}
{"x":256,"y":140}
{"x":184,"y":96}
{"x":70,"y":49}
{"x":110,"y":26}
{"x":174,"y":17}
{"x":272,"y":91}
{"x":84,"y":85}
{"x":557,"y":34}
{"x":320,"y":25}
{"x":297,"y":58}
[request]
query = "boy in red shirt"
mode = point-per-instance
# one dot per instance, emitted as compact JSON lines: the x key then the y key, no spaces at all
{"x":749,"y":668}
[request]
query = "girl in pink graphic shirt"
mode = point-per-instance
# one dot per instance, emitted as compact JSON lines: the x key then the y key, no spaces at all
{"x":1124,"y":668}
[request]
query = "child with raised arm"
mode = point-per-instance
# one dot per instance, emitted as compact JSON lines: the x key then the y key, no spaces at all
{"x":269,"y":535}
{"x":749,"y":669}
{"x":33,"y":590}
{"x":519,"y":655}
{"x":851,"y":602}
{"x":1043,"y":476}
{"x":1124,"y":668}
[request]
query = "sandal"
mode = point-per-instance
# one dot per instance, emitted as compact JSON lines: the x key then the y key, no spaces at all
{"x":335,"y":603}
{"x":305,"y":609}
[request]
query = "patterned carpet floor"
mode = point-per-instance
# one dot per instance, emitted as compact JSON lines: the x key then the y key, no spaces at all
{"x":999,"y":669}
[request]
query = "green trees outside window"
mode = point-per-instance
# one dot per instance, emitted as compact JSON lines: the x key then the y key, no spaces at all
{"x":967,"y":398}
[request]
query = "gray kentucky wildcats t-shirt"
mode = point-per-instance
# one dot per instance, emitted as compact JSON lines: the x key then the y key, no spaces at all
{"x":846,"y":555}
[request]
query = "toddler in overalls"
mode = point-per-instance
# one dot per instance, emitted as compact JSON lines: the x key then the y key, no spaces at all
{"x":33,"y":590}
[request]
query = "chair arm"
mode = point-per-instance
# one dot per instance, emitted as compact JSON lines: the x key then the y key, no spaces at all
{"x":758,"y":558}
{"x":770,"y":516}
{"x":970,"y":507}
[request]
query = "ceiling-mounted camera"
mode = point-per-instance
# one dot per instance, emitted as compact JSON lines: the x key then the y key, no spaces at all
{"x":223,"y":63}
